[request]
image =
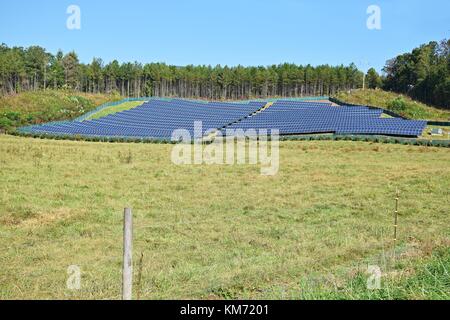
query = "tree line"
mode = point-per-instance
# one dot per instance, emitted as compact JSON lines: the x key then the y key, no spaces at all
{"x":423,"y":74}
{"x":34,"y":68}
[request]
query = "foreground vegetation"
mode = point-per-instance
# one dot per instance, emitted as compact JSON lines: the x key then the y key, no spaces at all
{"x":224,"y":231}
{"x":421,"y":278}
{"x":50,"y":105}
{"x":398,"y":103}
{"x":424,"y":275}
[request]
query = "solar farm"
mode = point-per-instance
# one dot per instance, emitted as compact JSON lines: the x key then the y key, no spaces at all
{"x":214,"y":230}
{"x":158,"y":118}
{"x":218,"y":158}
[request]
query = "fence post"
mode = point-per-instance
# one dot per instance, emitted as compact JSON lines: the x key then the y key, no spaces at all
{"x":396,"y":221}
{"x":127,"y":272}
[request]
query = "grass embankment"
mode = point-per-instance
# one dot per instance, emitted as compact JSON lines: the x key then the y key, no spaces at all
{"x":398,"y":103}
{"x":49,"y":105}
{"x":223,"y":231}
{"x":114,"y":109}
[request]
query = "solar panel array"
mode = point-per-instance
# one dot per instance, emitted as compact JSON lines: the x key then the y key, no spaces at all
{"x":159,"y":118}
{"x":293,"y":117}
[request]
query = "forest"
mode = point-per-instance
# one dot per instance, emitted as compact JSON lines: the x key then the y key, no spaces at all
{"x":33,"y":68}
{"x":424,"y":74}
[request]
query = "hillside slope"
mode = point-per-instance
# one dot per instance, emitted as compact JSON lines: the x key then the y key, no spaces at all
{"x":44,"y":106}
{"x":398,"y":103}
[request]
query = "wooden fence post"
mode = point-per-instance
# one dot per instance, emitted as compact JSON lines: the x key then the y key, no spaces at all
{"x":127,"y":272}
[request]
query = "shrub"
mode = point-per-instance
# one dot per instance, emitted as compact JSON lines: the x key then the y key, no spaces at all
{"x":397,"y":105}
{"x":5,"y":123}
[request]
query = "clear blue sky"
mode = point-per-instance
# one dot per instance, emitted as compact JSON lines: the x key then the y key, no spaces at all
{"x":247,"y":32}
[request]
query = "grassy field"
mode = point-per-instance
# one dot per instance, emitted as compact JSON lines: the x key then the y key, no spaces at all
{"x":51,"y":105}
{"x":395,"y":102}
{"x":114,"y":109}
{"x":215,"y":232}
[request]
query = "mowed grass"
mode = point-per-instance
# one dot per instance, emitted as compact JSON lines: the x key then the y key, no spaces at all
{"x":114,"y":109}
{"x":212,"y":232}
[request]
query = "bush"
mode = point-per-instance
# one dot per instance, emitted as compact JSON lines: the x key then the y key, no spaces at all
{"x":397,"y":105}
{"x":5,"y":123}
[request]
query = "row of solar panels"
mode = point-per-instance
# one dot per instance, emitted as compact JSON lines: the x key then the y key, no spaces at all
{"x":300,"y":118}
{"x":159,"y":118}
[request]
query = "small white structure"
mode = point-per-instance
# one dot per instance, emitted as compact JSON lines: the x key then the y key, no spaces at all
{"x":437,"y":132}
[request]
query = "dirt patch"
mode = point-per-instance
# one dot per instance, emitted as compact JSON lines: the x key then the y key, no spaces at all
{"x":51,"y":217}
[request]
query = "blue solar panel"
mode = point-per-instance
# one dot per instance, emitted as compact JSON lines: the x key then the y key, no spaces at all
{"x":308,"y":118}
{"x":159,"y":118}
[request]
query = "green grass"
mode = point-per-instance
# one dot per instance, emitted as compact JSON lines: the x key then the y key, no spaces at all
{"x":114,"y":109}
{"x":50,"y":105}
{"x":424,"y":278}
{"x":389,"y":100}
{"x":214,"y":232}
{"x":416,"y":278}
